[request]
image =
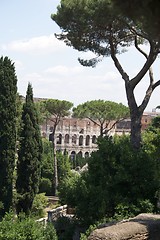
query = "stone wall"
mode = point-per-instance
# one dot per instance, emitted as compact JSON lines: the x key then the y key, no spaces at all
{"x":142,"y":227}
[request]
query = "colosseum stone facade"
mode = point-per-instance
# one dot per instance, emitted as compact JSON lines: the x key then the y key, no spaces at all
{"x":75,"y":136}
{"x":79,"y":136}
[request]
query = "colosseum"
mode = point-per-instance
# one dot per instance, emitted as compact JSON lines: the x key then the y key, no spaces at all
{"x":74,"y":136}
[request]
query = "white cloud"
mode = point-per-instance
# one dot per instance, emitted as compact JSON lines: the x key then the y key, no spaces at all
{"x":36,"y":44}
{"x":64,"y":70}
{"x":112,"y":77}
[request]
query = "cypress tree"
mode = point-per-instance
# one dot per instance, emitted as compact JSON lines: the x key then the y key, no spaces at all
{"x":29,"y":156}
{"x":8,"y":91}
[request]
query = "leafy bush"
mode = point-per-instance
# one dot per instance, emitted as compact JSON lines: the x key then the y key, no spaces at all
{"x":65,"y":227}
{"x":117,"y":184}
{"x":39,"y":203}
{"x":22,"y":228}
{"x":45,"y":186}
{"x":145,"y":206}
{"x":67,"y":189}
{"x":123,"y":211}
{"x":50,"y":232}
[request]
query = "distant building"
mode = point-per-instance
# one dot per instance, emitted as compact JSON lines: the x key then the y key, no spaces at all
{"x":124,"y":127}
{"x":77,"y":137}
{"x":74,"y":136}
{"x":147,"y":118}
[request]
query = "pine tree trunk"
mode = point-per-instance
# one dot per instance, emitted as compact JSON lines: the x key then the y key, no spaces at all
{"x":101,"y":131}
{"x":136,"y":116}
{"x":55,"y":177}
{"x":136,"y":130}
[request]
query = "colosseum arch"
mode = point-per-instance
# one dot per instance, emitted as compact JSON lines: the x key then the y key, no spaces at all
{"x":73,"y":155}
{"x":51,"y":137}
{"x":81,"y":140}
{"x":94,"y":139}
{"x":59,"y":139}
{"x":79,"y":154}
{"x":66,"y":138}
{"x":86,"y":155}
{"x":87,"y":140}
{"x":74,"y":139}
{"x":73,"y":159}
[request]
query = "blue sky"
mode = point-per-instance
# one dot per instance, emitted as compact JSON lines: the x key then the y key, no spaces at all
{"x":27,"y":38}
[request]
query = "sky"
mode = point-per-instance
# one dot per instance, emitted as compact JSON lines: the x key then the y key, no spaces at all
{"x":27,"y":38}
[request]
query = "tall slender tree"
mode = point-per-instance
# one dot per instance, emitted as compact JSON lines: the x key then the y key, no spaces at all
{"x":8,"y":90}
{"x":57,"y":109}
{"x":29,"y":155}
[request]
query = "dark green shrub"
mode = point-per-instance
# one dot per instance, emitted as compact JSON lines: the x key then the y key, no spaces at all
{"x":68,"y":188}
{"x":65,"y":228}
{"x":45,"y":186}
{"x":117,"y":184}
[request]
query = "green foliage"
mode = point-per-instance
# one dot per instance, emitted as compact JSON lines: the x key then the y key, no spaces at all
{"x":58,"y":107}
{"x":47,"y":160}
{"x":78,"y":161}
{"x":19,"y":107}
{"x":151,"y":140}
{"x":43,"y":114}
{"x":64,"y":166}
{"x":50,"y":232}
{"x":144,"y":13}
{"x":45,"y":186}
{"x":119,"y":183}
{"x":84,"y":236}
{"x":102,"y":113}
{"x":155,"y":124}
{"x":29,"y":156}
{"x":1,"y":206}
{"x":22,"y":228}
{"x":39,"y":204}
{"x":65,"y":228}
{"x":146,"y":206}
{"x":123,"y":211}
{"x":67,"y":189}
{"x":111,"y":26}
{"x":8,"y":91}
{"x":47,"y":170}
